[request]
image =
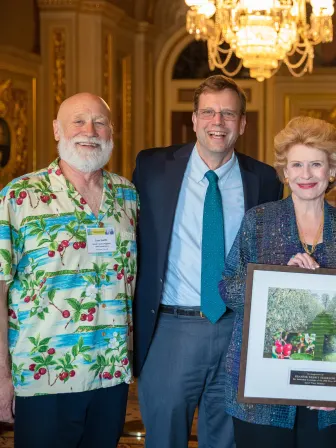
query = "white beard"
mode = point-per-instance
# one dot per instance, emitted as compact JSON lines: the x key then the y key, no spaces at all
{"x":85,"y":160}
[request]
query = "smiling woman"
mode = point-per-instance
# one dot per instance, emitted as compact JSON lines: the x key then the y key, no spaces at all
{"x":308,"y":171}
{"x":298,"y":231}
{"x":305,"y":153}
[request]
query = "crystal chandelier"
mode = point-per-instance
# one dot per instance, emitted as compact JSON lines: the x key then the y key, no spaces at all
{"x":262,"y":33}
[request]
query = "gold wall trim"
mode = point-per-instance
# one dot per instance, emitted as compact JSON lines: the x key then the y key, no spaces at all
{"x":48,"y":4}
{"x":107,"y":78}
{"x":126,"y":117}
{"x":59,"y":69}
{"x":107,"y":68}
{"x":109,"y":11}
{"x":149,"y":136}
{"x":287,"y":108}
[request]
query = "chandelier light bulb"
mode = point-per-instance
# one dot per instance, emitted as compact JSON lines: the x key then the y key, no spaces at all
{"x":195,"y":3}
{"x":207,"y":9}
{"x":322,"y":7}
{"x":261,"y":5}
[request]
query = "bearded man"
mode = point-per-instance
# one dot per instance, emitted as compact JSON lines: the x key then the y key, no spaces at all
{"x":67,"y":274}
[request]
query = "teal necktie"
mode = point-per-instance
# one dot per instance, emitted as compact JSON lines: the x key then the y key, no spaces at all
{"x":213,"y":253}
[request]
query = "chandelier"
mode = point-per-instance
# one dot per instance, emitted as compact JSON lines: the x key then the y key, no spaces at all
{"x":262,"y":33}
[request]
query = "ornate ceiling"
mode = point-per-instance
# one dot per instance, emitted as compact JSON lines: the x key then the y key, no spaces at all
{"x":159,"y":12}
{"x":163,"y":13}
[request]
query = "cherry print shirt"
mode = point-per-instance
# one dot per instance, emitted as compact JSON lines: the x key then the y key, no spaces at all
{"x":70,"y":311}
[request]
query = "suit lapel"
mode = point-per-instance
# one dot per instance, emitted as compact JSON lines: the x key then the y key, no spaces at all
{"x":250,"y":183}
{"x":172,"y":177}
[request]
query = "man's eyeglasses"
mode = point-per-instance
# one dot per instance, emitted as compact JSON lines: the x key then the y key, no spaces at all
{"x":208,"y":114}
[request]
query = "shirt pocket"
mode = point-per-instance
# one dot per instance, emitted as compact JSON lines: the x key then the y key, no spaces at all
{"x":125,"y":258}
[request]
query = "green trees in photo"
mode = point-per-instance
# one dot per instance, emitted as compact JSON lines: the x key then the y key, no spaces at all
{"x":290,"y":310}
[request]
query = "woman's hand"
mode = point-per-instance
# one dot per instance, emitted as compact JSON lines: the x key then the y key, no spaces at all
{"x":320,"y":409}
{"x":303,"y":261}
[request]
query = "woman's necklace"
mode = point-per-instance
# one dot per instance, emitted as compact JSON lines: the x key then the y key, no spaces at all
{"x":317,"y":238}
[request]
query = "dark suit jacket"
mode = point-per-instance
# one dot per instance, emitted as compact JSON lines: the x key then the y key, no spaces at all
{"x":158,"y":177}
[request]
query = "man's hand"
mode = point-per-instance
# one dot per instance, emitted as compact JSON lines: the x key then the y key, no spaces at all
{"x":6,"y":400}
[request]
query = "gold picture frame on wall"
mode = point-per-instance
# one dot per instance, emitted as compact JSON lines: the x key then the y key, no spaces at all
{"x":17,"y":128}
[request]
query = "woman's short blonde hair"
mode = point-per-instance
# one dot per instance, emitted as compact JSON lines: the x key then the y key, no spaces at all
{"x":312,"y":132}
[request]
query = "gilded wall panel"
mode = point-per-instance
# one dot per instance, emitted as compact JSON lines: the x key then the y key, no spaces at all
{"x":126,"y":155}
{"x":107,"y":85}
{"x":59,"y":70}
{"x":149,"y":136}
{"x":17,"y":128}
{"x":318,"y":105}
{"x":107,"y":68}
{"x":122,"y":156}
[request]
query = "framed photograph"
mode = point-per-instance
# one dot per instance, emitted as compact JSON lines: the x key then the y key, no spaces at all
{"x":289,"y":337}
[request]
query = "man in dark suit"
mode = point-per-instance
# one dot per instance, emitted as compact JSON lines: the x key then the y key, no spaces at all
{"x":192,"y":198}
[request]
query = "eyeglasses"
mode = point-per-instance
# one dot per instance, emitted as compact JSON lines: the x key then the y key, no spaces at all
{"x":208,"y":114}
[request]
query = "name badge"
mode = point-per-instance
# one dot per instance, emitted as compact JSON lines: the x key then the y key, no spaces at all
{"x":100,"y":240}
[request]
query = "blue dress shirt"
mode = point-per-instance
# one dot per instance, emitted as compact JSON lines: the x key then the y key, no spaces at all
{"x":182,"y":285}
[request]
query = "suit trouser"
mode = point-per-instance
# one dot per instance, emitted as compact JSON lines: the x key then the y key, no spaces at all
{"x":92,"y":419}
{"x":185,"y":369}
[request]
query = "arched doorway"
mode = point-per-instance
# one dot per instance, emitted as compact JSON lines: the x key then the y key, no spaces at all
{"x":181,"y":67}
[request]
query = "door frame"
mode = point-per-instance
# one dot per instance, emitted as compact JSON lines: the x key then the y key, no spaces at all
{"x":167,"y":93}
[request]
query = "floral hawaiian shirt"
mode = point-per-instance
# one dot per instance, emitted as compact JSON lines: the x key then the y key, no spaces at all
{"x":70,"y":308}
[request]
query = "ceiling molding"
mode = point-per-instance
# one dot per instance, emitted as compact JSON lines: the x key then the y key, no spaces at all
{"x":58,"y":4}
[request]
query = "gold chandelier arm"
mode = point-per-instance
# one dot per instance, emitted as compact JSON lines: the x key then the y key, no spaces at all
{"x":317,"y":41}
{"x":300,"y":48}
{"x":215,"y":54}
{"x":301,"y":67}
{"x":276,"y":69}
{"x":305,"y":55}
{"x":234,"y":72}
{"x":301,"y":72}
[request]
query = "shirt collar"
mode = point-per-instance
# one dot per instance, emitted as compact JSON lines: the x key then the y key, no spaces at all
{"x":59,"y":183}
{"x":57,"y":180}
{"x":198,"y":167}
